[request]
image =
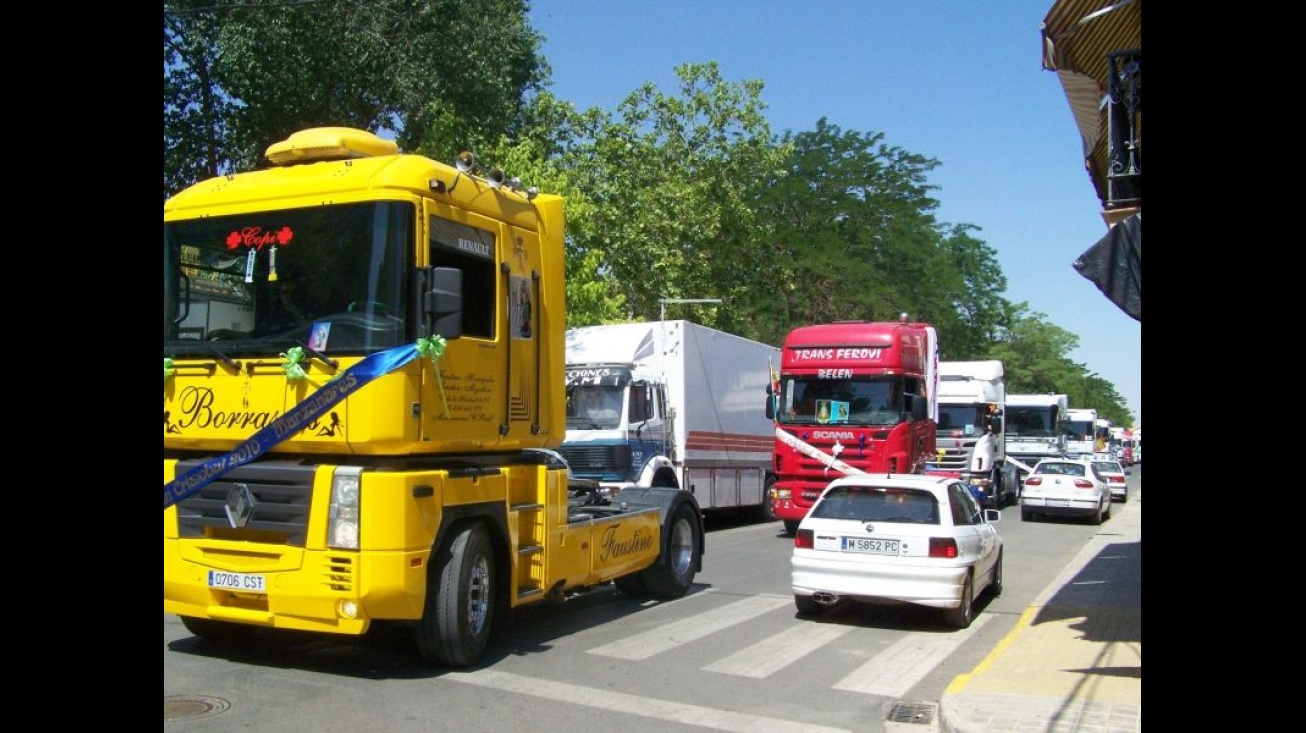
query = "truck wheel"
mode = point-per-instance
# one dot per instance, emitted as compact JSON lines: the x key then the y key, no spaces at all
{"x":456,"y":620}
{"x":672,"y":576}
{"x":767,"y":508}
{"x":1011,"y":484}
{"x":791,"y":526}
{"x":218,"y":632}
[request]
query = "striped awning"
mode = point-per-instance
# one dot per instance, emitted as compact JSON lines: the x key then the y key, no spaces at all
{"x":1078,"y":37}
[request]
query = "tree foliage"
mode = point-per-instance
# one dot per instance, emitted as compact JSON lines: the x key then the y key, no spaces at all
{"x":241,"y":74}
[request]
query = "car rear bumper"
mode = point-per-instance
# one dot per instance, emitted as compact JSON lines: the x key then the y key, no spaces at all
{"x":936,"y":587}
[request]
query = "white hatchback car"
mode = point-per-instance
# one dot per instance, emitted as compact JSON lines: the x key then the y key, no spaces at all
{"x":1065,"y":487}
{"x":897,"y":538}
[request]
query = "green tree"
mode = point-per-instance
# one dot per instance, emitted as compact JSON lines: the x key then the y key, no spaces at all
{"x":438,"y":74}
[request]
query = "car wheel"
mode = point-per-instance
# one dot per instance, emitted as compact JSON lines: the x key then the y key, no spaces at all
{"x":1106,"y":510}
{"x":1097,"y":515}
{"x":806,"y":605}
{"x":960,"y":616}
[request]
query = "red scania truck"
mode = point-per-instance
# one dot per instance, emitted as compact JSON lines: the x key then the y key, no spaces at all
{"x":850,"y":398}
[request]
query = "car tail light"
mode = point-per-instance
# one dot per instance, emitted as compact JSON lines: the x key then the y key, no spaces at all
{"x":943,"y":547}
{"x":1034,"y":481}
{"x":803,"y":539}
{"x":1083,"y":483}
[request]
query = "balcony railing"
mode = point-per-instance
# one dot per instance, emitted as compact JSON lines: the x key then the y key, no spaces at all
{"x":1124,"y":121}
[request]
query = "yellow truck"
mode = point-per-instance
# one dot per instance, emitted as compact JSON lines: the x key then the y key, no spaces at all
{"x":363,"y":387}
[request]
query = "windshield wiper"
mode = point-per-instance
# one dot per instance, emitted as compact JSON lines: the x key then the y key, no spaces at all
{"x":230,"y":363}
{"x":335,"y":365}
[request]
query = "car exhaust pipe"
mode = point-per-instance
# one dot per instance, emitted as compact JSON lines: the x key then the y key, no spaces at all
{"x":825,"y":599}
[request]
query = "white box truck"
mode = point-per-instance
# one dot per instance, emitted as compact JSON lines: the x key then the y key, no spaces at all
{"x":671,"y":403}
{"x":970,"y":440}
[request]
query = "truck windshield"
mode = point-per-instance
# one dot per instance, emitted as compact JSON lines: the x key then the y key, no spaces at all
{"x":594,"y":407}
{"x":332,"y":278}
{"x":862,"y":401}
{"x":964,"y":420}
{"x":1029,"y":423}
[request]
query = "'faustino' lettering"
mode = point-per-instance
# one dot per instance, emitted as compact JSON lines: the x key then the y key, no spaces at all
{"x":611,"y":548}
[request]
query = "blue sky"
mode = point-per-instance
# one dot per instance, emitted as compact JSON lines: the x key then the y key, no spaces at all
{"x":959,"y":81}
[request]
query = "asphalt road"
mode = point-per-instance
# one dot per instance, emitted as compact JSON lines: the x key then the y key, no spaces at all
{"x":731,"y":656}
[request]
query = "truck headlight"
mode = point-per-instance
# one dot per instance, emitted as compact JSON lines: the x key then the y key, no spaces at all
{"x":343,"y":516}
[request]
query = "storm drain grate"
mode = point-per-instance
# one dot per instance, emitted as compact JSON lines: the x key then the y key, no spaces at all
{"x":911,"y":712}
{"x":192,"y":707}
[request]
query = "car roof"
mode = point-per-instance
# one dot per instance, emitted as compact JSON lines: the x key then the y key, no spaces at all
{"x":893,"y":481}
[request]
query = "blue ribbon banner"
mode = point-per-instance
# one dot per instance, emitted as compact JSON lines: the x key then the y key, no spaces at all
{"x":290,"y":423}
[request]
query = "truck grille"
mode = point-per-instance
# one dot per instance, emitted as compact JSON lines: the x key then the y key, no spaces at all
{"x":954,"y":457}
{"x":597,"y":459}
{"x":282,"y":493}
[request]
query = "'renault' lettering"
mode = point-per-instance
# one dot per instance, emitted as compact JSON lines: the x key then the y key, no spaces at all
{"x":611,"y":548}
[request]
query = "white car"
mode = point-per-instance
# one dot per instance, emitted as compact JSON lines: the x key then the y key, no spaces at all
{"x":897,"y":538}
{"x":1065,"y":487}
{"x":1114,"y":474}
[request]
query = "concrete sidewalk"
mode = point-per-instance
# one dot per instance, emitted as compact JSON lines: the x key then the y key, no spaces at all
{"x":1074,"y":662}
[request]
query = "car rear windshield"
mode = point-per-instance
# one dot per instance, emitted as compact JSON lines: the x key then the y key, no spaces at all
{"x":877,"y":504}
{"x":1108,"y":467}
{"x":1064,"y":469}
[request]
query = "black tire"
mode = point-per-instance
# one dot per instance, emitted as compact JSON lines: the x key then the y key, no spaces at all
{"x":995,"y":585}
{"x":459,"y":612}
{"x":673,"y":574}
{"x":1097,"y":515}
{"x":791,"y":526}
{"x":767,"y":510}
{"x":960,"y":617}
{"x":1106,"y":511}
{"x":218,"y":632}
{"x":1011,"y":484}
{"x":806,"y":605}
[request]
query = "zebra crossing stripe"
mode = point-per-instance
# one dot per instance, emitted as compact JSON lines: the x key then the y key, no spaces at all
{"x":777,"y":652}
{"x":894,"y":671}
{"x":609,"y":701}
{"x":664,"y":638}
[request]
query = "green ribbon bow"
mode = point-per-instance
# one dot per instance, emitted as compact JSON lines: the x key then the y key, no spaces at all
{"x":433,"y":348}
{"x":290,"y":364}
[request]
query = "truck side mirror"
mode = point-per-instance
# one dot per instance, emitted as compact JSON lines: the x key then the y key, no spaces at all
{"x":770,"y":403}
{"x":443,"y":302}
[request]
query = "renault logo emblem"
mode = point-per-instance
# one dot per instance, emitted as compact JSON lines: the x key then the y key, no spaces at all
{"x":240,"y":505}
